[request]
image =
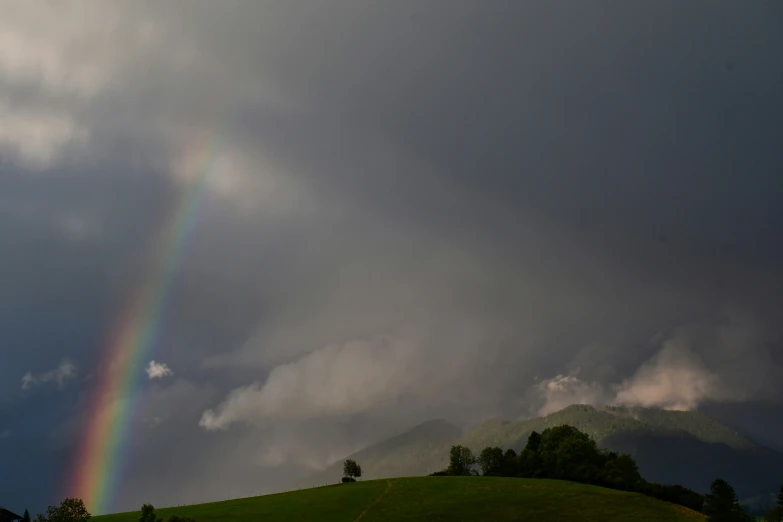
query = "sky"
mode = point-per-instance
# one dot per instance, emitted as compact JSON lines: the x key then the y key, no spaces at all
{"x":411,"y":210}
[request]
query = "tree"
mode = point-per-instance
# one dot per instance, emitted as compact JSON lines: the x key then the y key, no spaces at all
{"x":351,"y":469}
{"x":529,"y":464}
{"x":510,"y":464}
{"x":620,"y":472}
{"x":491,"y":461}
{"x":567,"y":453}
{"x":774,"y":515}
{"x":26,"y":516}
{"x":722,"y":505}
{"x":461,"y":461}
{"x":148,"y":514}
{"x":576,"y":458}
{"x":673,"y":493}
{"x":69,"y":510}
{"x":533,"y":441}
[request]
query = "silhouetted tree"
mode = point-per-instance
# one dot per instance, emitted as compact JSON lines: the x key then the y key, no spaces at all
{"x":567,"y":453}
{"x":491,"y":461}
{"x":530,"y":464}
{"x":774,"y":515}
{"x":673,"y":493}
{"x":148,"y":514}
{"x":619,"y":472}
{"x":461,"y":461}
{"x":351,"y":469}
{"x":510,"y":464}
{"x":721,"y":504}
{"x":69,"y":510}
{"x":26,"y":516}
{"x":533,"y":441}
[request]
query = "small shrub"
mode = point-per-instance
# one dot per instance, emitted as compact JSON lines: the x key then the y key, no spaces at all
{"x":179,"y":518}
{"x":349,"y":479}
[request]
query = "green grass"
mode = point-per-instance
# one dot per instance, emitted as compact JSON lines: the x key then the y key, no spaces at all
{"x":438,"y":498}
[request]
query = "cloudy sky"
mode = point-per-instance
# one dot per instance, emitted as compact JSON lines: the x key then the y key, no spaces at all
{"x":454,"y":209}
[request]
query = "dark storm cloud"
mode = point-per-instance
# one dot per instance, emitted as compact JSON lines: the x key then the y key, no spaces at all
{"x":473,"y":209}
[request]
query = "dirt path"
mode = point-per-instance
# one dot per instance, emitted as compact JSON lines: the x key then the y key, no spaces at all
{"x":388,"y":487}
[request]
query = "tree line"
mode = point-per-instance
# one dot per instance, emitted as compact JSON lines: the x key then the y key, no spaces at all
{"x":566,"y":453}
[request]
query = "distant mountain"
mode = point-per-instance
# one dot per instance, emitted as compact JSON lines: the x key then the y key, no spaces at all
{"x":419,"y":451}
{"x":671,"y":447}
{"x":601,"y":423}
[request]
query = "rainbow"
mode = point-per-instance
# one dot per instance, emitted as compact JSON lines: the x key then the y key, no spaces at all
{"x":114,"y":400}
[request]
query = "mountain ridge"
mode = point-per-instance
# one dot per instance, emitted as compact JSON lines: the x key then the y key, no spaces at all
{"x":676,"y":447}
{"x":603,"y":422}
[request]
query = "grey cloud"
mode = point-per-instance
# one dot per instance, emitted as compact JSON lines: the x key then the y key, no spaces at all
{"x":64,"y":372}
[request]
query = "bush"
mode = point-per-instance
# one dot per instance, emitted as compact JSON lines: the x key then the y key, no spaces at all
{"x":441,"y":473}
{"x":349,"y":479}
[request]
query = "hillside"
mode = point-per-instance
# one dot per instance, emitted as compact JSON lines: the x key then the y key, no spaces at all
{"x":419,"y":451}
{"x":438,"y":498}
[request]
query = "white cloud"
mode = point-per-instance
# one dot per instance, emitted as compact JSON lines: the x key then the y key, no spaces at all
{"x":65,"y":371}
{"x":38,"y":137}
{"x":156,"y":370}
{"x":564,"y":390}
{"x":674,"y":379}
{"x":336,"y":380}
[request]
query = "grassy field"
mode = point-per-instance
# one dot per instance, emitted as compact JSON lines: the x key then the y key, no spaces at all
{"x":437,"y":498}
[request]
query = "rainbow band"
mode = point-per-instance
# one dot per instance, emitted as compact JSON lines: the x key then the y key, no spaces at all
{"x":115,"y":399}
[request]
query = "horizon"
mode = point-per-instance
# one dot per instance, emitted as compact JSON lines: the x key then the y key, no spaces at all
{"x":240,"y":243}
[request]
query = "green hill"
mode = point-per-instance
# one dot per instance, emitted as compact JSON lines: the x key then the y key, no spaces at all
{"x":438,"y":498}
